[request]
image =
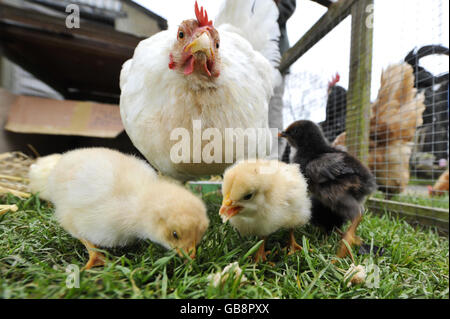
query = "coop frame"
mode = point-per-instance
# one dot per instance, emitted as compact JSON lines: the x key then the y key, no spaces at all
{"x":358,"y":97}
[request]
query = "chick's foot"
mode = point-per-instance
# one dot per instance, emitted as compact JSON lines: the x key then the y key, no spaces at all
{"x":357,"y":240}
{"x":292,"y":245}
{"x":95,"y":258}
{"x":350,"y":237}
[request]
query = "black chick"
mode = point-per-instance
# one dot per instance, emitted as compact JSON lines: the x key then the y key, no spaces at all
{"x":338,"y":182}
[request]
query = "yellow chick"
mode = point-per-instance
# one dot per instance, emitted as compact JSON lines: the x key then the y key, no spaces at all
{"x":261,"y":197}
{"x":105,"y":198}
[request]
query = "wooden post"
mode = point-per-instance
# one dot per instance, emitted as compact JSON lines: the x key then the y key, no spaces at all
{"x":358,"y":99}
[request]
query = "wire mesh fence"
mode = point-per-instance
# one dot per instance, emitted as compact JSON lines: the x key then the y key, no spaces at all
{"x":393,"y":112}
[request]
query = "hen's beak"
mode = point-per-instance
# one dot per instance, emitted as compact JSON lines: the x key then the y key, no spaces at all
{"x":228,"y":209}
{"x":201,"y":44}
{"x":281,"y":134}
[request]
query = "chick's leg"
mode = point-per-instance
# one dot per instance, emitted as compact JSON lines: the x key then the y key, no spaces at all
{"x":95,"y":258}
{"x":350,"y":237}
{"x":358,"y":240}
{"x":340,"y":232}
{"x":292,"y":245}
{"x":261,"y":254}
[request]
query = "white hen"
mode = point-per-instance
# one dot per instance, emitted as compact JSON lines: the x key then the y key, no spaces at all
{"x":222,"y":75}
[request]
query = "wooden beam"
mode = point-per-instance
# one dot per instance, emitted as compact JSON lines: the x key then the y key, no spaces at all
{"x":325,"y":3}
{"x":337,"y":12}
{"x":358,"y":97}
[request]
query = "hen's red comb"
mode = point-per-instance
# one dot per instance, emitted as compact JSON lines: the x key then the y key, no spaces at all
{"x":202,"y":16}
{"x":334,"y":80}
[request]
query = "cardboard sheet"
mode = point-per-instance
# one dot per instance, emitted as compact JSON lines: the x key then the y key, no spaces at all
{"x":47,"y":116}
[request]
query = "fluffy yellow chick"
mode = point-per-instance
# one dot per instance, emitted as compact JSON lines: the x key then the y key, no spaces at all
{"x":262,"y":196}
{"x":105,"y":198}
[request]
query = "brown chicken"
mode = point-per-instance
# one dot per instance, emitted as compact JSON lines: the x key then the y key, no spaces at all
{"x":440,"y":187}
{"x":395,"y":115}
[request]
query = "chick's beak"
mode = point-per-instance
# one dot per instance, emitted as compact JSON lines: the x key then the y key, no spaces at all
{"x":202,"y":43}
{"x":192,"y":251}
{"x":282,"y":134}
{"x":228,"y":209}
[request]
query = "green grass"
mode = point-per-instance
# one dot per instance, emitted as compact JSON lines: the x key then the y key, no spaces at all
{"x":437,"y":202}
{"x":35,"y":252}
{"x":421,"y":182}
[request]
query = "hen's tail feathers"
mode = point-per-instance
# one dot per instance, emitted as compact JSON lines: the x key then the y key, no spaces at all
{"x":414,"y":55}
{"x":256,"y":21}
{"x":397,"y":112}
{"x":39,"y":173}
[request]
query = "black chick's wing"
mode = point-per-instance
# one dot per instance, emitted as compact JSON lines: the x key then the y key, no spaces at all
{"x":334,"y":183}
{"x":328,"y":167}
{"x":336,"y":176}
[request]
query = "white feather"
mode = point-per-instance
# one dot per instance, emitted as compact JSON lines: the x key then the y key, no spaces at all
{"x":39,"y":173}
{"x":254,"y":20}
{"x":257,"y":22}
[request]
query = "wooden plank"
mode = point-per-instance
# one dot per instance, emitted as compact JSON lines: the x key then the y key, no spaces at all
{"x":337,"y":12}
{"x":430,"y":212}
{"x":325,"y":3}
{"x":428,"y":216}
{"x":358,"y":97}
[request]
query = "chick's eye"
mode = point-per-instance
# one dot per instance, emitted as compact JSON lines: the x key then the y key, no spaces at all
{"x":248,"y":196}
{"x":175,"y":235}
{"x":217,"y":45}
{"x":181,"y":34}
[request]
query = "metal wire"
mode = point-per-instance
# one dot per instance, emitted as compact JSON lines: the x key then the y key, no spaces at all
{"x":405,"y":164}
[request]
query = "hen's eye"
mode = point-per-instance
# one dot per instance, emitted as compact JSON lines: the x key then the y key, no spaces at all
{"x":217,"y":45}
{"x":181,"y":34}
{"x":248,"y":196}
{"x":175,"y":235}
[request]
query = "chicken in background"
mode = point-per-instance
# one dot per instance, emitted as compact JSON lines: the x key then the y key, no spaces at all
{"x":440,"y":187}
{"x":433,"y":134}
{"x":395,"y":115}
{"x":336,"y":110}
{"x":423,"y":78}
{"x":338,"y":182}
{"x":107,"y":199}
{"x":222,"y":74}
{"x":261,"y":197}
